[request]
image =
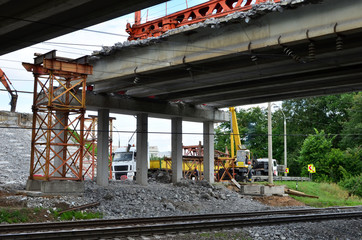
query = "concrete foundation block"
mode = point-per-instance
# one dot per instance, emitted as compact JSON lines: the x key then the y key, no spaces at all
{"x":33,"y":185}
{"x":57,"y":187}
{"x":251,"y":189}
{"x":272,"y":190}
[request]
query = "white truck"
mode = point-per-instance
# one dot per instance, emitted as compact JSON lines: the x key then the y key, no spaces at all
{"x":261,"y":166}
{"x":124,"y":163}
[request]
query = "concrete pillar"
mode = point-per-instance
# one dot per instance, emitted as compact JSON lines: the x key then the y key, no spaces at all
{"x":142,"y":149}
{"x":61,"y":150}
{"x":209,"y":152}
{"x":176,"y":144}
{"x":270,"y":146}
{"x":102,"y":147}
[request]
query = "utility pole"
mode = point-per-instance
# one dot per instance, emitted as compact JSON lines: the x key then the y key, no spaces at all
{"x":285,"y":143}
{"x":270,"y":146}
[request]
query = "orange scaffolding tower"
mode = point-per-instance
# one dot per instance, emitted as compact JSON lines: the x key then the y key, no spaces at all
{"x":58,"y":117}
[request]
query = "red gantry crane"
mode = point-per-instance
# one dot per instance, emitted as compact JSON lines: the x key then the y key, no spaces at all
{"x":9,"y":86}
{"x":198,"y":13}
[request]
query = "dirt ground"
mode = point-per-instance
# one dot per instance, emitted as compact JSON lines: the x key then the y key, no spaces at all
{"x":274,"y":201}
{"x":279,"y":201}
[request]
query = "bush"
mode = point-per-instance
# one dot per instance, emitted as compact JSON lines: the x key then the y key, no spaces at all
{"x":353,"y":185}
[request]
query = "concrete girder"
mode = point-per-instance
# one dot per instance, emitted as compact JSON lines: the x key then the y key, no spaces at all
{"x":203,"y":62}
{"x":24,"y":23}
{"x":284,"y":86}
{"x":118,"y":104}
{"x":236,"y":78}
{"x":264,"y":32}
{"x":286,"y":96}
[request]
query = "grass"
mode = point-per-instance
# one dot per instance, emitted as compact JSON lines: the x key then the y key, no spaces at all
{"x":330,"y":194}
{"x":14,"y":216}
{"x":23,"y":215}
{"x":77,"y":215}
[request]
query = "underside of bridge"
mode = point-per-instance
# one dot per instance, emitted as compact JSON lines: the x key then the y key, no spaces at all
{"x":24,"y":23}
{"x":297,"y":51}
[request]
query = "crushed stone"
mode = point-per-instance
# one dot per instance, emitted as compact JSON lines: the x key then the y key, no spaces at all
{"x":127,"y":199}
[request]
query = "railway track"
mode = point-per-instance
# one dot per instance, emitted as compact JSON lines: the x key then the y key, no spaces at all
{"x":164,"y":225}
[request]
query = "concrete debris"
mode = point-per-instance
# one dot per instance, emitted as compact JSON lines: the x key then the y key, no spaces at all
{"x":254,"y":12}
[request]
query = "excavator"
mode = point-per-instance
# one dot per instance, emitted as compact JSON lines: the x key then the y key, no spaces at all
{"x":9,"y":86}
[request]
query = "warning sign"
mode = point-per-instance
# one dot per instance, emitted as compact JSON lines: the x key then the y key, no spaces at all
{"x":311,"y":168}
{"x":286,"y":170}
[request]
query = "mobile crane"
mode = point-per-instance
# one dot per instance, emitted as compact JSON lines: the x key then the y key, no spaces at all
{"x":9,"y":86}
{"x":236,"y":165}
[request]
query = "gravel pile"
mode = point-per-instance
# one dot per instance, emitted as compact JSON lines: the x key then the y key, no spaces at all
{"x":15,"y":145}
{"x":125,"y":199}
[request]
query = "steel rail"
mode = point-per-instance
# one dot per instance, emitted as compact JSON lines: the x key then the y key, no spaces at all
{"x":131,"y":221}
{"x":157,"y":228}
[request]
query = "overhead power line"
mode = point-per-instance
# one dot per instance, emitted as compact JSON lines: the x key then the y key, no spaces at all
{"x":192,"y":133}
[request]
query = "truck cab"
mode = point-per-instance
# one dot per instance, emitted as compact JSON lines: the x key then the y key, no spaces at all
{"x":124,"y":164}
{"x":261,"y":166}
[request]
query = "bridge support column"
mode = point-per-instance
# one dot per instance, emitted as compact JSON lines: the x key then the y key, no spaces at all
{"x":176,"y":144}
{"x":60,"y":149}
{"x":102,"y":146}
{"x":142,"y":149}
{"x":209,"y":151}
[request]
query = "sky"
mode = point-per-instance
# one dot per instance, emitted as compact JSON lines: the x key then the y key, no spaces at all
{"x":84,"y":42}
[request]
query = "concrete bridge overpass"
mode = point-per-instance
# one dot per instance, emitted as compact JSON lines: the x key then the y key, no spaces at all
{"x":304,"y":48}
{"x":25,"y":23}
{"x":299,"y":50}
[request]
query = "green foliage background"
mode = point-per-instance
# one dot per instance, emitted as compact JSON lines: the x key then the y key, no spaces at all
{"x":325,"y":131}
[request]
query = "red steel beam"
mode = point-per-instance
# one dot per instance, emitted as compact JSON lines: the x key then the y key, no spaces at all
{"x":199,"y":13}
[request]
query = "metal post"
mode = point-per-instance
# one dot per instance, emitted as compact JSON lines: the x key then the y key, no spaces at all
{"x":270,"y":146}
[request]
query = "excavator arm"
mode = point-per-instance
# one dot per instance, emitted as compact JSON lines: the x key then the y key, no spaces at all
{"x":8,"y":85}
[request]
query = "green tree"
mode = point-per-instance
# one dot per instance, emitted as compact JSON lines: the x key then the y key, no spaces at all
{"x":352,"y":128}
{"x":353,"y":161}
{"x":328,"y":113}
{"x":314,"y":151}
{"x":335,"y":161}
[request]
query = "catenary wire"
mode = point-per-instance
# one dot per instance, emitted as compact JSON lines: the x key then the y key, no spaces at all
{"x":187,"y":133}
